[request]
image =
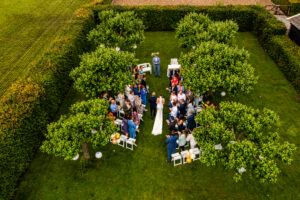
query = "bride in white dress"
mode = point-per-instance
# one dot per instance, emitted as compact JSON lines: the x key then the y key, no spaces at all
{"x":158,"y":123}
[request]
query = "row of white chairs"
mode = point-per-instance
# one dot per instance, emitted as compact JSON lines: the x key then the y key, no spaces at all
{"x":126,"y":142}
{"x":180,"y":158}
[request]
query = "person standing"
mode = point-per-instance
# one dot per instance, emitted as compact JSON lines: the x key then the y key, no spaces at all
{"x":144,"y":95}
{"x":171,"y":144}
{"x":152,"y":101}
{"x":156,"y":64}
{"x":131,"y":128}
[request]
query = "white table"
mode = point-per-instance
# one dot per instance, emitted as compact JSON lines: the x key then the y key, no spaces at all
{"x":171,"y":67}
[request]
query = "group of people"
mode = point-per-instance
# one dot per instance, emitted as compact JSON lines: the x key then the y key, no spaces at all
{"x":181,"y":122}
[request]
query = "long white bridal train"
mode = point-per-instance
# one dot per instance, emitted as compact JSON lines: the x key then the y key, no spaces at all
{"x":158,"y":123}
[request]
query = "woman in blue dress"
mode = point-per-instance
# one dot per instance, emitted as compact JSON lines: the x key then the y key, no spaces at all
{"x":132,"y":128}
{"x":144,"y":95}
{"x":136,"y":90}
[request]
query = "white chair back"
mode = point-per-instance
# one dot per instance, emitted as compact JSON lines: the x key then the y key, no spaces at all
{"x":174,"y":61}
{"x":146,"y":67}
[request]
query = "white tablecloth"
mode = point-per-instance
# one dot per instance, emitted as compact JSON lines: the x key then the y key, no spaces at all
{"x":171,"y":67}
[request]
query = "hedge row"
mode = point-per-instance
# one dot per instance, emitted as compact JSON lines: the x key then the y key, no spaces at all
{"x":249,"y":18}
{"x":30,"y":105}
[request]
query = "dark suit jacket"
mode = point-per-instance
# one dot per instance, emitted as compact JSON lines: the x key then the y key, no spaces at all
{"x":152,"y":101}
{"x":182,"y":109}
{"x":191,"y":124}
{"x":171,"y":142}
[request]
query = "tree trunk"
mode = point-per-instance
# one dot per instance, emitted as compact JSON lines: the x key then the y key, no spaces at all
{"x":85,"y":149}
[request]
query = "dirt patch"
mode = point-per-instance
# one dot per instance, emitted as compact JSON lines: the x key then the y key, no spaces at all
{"x":191,"y":2}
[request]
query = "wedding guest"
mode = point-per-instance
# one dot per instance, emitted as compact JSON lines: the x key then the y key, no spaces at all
{"x":156,"y":64}
{"x":135,"y":117}
{"x":174,"y":110}
{"x":132,"y":128}
{"x":190,"y":107}
{"x":127,"y":107}
{"x":197,"y":99}
{"x":175,"y":80}
{"x":173,"y":98}
{"x":173,"y":88}
{"x":182,"y":107}
{"x":138,"y":104}
{"x":121,"y":99}
{"x":152,"y":101}
{"x":180,"y":87}
{"x":125,"y":124}
{"x":136,"y":72}
{"x":114,"y":108}
{"x":144,"y":82}
{"x":171,"y":144}
{"x":190,"y":138}
{"x":180,"y":123}
{"x":141,"y":72}
{"x":191,"y":124}
{"x":171,"y":124}
{"x":136,"y":90}
{"x":181,"y":95}
{"x":181,"y":140}
{"x":144,"y":95}
{"x":131,"y":98}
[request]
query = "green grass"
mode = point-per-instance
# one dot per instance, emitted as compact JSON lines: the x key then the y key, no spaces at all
{"x":144,"y":174}
{"x":27,"y":28}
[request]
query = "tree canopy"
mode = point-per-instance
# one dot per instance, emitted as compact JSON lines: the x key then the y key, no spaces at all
{"x":215,"y":67}
{"x":242,"y":139}
{"x":87,"y":123}
{"x":196,"y":28}
{"x":123,"y":30}
{"x":103,"y":70}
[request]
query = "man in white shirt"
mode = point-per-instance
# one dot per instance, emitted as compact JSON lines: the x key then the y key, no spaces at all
{"x":181,"y":95}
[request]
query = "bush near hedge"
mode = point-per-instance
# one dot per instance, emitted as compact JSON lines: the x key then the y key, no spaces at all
{"x":30,"y":105}
{"x":249,"y":18}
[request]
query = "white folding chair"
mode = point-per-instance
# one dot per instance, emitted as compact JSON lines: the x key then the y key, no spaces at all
{"x":183,"y":156}
{"x":197,"y":153}
{"x":176,"y":157}
{"x":122,"y":140}
{"x":130,"y":143}
{"x":174,"y":61}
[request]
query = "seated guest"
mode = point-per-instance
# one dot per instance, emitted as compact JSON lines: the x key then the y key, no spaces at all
{"x":127,"y":107}
{"x":171,"y":144}
{"x":191,"y":124}
{"x":114,"y":108}
{"x":181,"y":140}
{"x":181,"y":95}
{"x":180,"y":87}
{"x":190,"y":138}
{"x":144,"y":82}
{"x":121,"y":99}
{"x":132,"y":128}
{"x":171,"y":124}
{"x":190,"y":107}
{"x":136,"y":90}
{"x":180,"y":123}
{"x":144,"y":95}
{"x":182,"y":107}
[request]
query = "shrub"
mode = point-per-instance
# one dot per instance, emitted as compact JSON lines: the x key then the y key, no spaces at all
{"x":121,"y":30}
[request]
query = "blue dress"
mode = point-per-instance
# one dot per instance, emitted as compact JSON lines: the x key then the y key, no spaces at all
{"x":144,"y":96}
{"x":136,"y":91}
{"x":132,"y":129}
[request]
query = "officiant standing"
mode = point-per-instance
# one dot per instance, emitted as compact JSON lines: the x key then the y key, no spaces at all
{"x":156,"y":64}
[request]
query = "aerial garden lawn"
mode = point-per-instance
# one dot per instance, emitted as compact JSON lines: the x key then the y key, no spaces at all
{"x":27,"y":29}
{"x":144,"y":174}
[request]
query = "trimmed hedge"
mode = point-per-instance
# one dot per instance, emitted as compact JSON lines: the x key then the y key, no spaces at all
{"x":30,"y":105}
{"x":249,"y":18}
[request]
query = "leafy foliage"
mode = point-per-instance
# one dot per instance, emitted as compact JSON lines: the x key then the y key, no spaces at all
{"x":248,"y":139}
{"x":122,"y":30}
{"x":195,"y":28}
{"x":65,"y":137}
{"x":214,"y":67}
{"x":103,"y":70}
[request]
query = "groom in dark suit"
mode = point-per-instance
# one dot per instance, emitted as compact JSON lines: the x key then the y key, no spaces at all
{"x":152,"y":101}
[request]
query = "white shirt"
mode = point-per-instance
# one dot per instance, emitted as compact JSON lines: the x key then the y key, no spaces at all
{"x":131,"y":99}
{"x":181,"y":96}
{"x":156,"y":59}
{"x":174,"y":111}
{"x":192,"y":140}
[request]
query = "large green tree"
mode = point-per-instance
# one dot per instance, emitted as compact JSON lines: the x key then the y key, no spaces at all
{"x":123,"y":30}
{"x":217,"y":67}
{"x":195,"y":28}
{"x":103,"y":70}
{"x":87,"y":124}
{"x":242,"y":139}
